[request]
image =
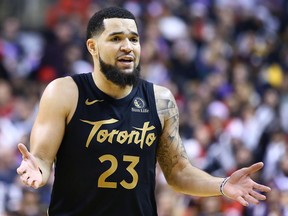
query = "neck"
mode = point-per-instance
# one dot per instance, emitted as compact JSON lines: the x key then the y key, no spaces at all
{"x":110,"y":88}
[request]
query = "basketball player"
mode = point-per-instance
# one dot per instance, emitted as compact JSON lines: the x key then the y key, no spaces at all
{"x":106,"y":130}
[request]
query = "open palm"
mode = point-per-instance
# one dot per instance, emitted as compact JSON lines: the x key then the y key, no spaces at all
{"x":29,"y":171}
{"x":242,"y":188}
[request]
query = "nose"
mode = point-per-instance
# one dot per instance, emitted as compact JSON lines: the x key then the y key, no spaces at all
{"x":126,"y":46}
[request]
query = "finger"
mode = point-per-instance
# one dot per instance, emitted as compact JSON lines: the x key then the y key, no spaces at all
{"x":20,"y":170}
{"x":262,"y":188}
{"x":24,"y":180}
{"x":242,"y":201}
{"x":23,"y":150}
{"x":35,"y":184}
{"x":30,"y":181}
{"x":257,"y":195}
{"x":253,"y":168}
{"x":251,"y":199}
{"x":24,"y":177}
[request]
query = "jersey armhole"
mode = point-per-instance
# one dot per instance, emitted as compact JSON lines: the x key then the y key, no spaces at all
{"x":73,"y":112}
{"x":155,"y":112}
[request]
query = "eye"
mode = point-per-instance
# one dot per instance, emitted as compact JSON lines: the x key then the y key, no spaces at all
{"x":134,"y":39}
{"x":115,"y":39}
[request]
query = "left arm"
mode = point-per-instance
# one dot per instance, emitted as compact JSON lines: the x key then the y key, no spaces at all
{"x":182,"y":175}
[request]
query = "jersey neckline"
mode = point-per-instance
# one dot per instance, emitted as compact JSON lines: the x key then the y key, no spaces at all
{"x":106,"y":97}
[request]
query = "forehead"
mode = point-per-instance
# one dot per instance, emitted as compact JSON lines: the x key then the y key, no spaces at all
{"x":119,"y":25}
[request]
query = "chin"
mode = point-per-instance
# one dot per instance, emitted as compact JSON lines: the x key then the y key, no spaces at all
{"x":127,"y":71}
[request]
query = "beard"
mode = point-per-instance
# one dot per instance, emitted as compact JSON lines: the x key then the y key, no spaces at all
{"x":118,"y":77}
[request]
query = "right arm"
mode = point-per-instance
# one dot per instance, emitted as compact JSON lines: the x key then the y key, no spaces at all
{"x":56,"y":108}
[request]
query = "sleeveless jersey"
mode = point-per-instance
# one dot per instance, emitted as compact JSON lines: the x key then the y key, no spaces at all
{"x":106,"y":162}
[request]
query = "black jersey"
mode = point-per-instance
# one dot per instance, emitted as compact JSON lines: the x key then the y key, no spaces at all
{"x":106,"y":162}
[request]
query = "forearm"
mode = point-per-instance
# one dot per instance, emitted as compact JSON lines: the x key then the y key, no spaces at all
{"x":193,"y":181}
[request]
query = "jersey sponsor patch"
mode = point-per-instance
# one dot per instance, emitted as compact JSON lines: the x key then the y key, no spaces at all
{"x":139,"y":105}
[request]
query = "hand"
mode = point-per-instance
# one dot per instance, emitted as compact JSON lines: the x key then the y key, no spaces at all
{"x":242,"y":188}
{"x":29,"y":171}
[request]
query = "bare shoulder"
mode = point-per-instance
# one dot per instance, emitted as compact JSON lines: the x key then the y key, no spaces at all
{"x":165,"y":103}
{"x":162,"y":92}
{"x":61,"y":88}
{"x":61,"y":94}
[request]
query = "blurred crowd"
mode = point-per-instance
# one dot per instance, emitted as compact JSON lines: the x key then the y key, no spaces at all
{"x":225,"y":61}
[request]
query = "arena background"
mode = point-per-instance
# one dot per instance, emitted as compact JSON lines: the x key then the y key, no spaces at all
{"x":225,"y":61}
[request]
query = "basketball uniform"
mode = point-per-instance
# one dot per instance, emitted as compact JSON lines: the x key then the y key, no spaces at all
{"x":105,"y":165}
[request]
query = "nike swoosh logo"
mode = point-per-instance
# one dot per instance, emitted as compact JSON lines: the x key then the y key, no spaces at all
{"x":88,"y":103}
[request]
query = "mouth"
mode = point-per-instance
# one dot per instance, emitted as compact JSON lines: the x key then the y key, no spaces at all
{"x":126,"y":58}
{"x":126,"y":61}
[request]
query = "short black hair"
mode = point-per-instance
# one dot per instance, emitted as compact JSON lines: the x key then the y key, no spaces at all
{"x":96,"y":25}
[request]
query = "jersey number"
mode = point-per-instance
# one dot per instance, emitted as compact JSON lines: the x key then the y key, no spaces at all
{"x":114,"y":164}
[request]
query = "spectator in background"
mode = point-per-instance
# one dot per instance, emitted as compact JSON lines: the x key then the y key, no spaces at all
{"x":53,"y":62}
{"x":12,"y":50}
{"x":20,"y":51}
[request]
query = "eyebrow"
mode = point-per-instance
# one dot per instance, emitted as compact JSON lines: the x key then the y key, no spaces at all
{"x":121,"y":32}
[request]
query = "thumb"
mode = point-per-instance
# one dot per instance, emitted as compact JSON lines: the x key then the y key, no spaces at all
{"x":246,"y":171}
{"x":254,"y":168}
{"x":23,"y":150}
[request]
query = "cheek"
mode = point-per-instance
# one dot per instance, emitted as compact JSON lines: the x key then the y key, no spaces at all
{"x":138,"y":54}
{"x":106,"y":56}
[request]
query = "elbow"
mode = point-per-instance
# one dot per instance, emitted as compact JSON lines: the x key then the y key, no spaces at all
{"x":174,"y":182}
{"x":179,"y":178}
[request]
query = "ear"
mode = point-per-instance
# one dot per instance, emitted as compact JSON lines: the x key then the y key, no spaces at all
{"x":91,"y":46}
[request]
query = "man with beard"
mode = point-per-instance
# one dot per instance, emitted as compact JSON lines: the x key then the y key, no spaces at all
{"x":106,"y":130}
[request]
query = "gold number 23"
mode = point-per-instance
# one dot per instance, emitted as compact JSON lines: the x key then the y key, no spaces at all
{"x":114,"y":164}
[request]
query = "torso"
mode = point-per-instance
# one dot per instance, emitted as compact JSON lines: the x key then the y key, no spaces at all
{"x":106,"y":162}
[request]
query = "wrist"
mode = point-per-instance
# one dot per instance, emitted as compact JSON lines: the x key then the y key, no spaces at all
{"x":222,"y":185}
